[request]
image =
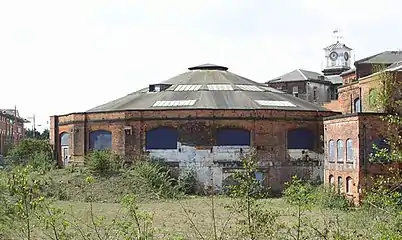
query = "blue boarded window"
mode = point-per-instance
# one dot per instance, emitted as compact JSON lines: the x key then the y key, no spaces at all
{"x":161,"y":138}
{"x":100,"y":140}
{"x":300,"y":138}
{"x":331,"y":150}
{"x":379,"y":145}
{"x":339,"y":150}
{"x":65,"y":139}
{"x":233,"y":137}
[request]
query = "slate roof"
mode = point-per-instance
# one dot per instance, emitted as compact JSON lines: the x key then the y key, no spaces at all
{"x":397,"y":66}
{"x":209,"y":86}
{"x":352,"y":70}
{"x":337,"y":45}
{"x":298,"y":75}
{"x":386,"y":57}
{"x":305,"y":75}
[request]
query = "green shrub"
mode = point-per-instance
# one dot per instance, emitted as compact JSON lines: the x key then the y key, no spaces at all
{"x":156,"y":178}
{"x":299,"y":192}
{"x":37,"y":153}
{"x":103,"y":162}
{"x":187,"y":181}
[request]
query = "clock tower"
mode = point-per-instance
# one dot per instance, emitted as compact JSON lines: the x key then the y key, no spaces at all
{"x":337,"y":58}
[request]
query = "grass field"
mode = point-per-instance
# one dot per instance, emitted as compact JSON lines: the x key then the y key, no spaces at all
{"x":170,"y":218}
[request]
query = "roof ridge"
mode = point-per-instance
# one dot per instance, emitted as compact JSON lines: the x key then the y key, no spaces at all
{"x":304,"y":76}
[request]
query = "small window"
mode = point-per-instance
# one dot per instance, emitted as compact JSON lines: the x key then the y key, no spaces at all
{"x":331,"y":151}
{"x":315,"y":93}
{"x":331,"y":179}
{"x":349,"y":183}
{"x":356,"y":108}
{"x":339,"y":184}
{"x":349,"y":151}
{"x":339,"y":151}
{"x":295,"y":89}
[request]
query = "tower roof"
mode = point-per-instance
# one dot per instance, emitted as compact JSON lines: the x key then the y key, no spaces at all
{"x":337,"y":45}
{"x":208,"y":86}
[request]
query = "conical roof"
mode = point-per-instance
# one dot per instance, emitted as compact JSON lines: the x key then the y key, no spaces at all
{"x":208,"y":86}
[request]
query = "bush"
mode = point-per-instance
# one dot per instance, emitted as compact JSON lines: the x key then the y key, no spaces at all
{"x":156,"y":178}
{"x":37,"y":153}
{"x":103,"y":162}
{"x":187,"y":181}
{"x":299,"y":192}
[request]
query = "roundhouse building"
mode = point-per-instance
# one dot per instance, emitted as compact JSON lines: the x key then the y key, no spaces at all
{"x":203,"y":119}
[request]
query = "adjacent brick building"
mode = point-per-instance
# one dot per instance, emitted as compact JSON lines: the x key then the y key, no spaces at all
{"x":203,"y":119}
{"x":11,"y":129}
{"x":318,"y":88}
{"x":349,"y":138}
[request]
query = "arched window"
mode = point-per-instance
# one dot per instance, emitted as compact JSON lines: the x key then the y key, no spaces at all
{"x":349,"y":183}
{"x":356,"y":104}
{"x":161,"y":138}
{"x":300,"y":138}
{"x":64,"y":139}
{"x":331,"y":151}
{"x":349,"y":151}
{"x":331,"y":179}
{"x":100,"y":140}
{"x":339,"y":150}
{"x":339,"y":184}
{"x":233,"y":137}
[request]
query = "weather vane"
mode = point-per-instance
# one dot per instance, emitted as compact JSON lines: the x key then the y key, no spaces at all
{"x":337,"y":34}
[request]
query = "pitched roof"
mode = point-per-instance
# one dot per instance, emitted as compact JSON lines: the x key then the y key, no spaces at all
{"x":352,"y":70}
{"x":336,"y":45}
{"x":395,"y":67}
{"x":208,"y":87}
{"x":386,"y":57}
{"x":298,"y":75}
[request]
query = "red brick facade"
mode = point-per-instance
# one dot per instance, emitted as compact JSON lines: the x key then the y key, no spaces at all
{"x":10,"y":132}
{"x":268,"y":130}
{"x":362,"y":128}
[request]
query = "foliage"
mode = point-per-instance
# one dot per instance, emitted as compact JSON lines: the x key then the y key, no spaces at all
{"x":31,"y":151}
{"x":156,"y":178}
{"x":42,"y":136}
{"x":255,"y":222}
{"x":103,"y":162}
{"x":187,"y":181}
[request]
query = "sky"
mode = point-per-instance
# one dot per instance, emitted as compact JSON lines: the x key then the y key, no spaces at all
{"x":58,"y":57}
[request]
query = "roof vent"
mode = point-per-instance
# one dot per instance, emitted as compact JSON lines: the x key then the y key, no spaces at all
{"x":209,"y":66}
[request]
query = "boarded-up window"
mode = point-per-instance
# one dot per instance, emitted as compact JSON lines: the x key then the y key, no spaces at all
{"x":100,"y":140}
{"x":233,"y":137}
{"x":339,"y":150}
{"x":356,"y":108}
{"x":300,"y":138}
{"x":339,"y":184}
{"x":331,"y":151}
{"x":349,"y":150}
{"x":161,"y":138}
{"x":331,"y":179}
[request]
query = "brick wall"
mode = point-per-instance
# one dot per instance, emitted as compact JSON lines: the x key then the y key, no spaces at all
{"x":362,"y":129}
{"x":197,"y":128}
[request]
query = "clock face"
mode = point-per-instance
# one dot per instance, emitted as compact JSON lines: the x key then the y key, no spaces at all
{"x":346,"y":56}
{"x":333,"y":56}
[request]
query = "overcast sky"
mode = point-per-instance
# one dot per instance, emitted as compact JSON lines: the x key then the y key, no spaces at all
{"x":67,"y":56}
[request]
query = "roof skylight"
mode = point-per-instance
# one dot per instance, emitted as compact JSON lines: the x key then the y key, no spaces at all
{"x":188,"y":87}
{"x":250,"y":88}
{"x":220,"y":87}
{"x":270,"y":103}
{"x":175,"y":103}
